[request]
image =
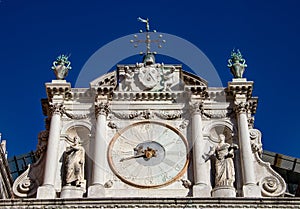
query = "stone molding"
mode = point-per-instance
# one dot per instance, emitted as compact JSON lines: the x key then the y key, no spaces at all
{"x":240,"y":87}
{"x":58,"y":88}
{"x":187,"y":202}
{"x":147,"y":96}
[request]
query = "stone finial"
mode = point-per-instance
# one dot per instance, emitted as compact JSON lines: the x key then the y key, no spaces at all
{"x":61,"y":66}
{"x":237,"y":64}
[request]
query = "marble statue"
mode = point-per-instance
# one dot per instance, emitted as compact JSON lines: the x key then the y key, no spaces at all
{"x":224,"y":152}
{"x":168,"y":79}
{"x":129,"y":79}
{"x":74,"y":164}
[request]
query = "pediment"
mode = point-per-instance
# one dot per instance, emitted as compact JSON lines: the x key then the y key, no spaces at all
{"x":155,"y":78}
{"x":108,"y":79}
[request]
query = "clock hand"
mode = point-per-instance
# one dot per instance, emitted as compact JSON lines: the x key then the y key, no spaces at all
{"x":148,"y":153}
{"x":132,"y":157}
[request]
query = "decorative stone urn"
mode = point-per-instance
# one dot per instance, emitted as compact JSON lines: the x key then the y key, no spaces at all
{"x":237,"y":64}
{"x":61,"y":66}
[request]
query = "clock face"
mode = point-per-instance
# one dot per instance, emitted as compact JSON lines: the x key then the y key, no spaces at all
{"x":148,"y":154}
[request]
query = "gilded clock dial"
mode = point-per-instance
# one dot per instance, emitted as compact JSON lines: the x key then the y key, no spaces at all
{"x":148,"y":154}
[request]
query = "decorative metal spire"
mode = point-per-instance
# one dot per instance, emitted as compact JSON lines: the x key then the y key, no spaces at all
{"x":148,"y":39}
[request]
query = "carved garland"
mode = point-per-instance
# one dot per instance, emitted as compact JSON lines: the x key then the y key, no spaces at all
{"x":168,"y":115}
{"x":76,"y":116}
{"x":123,"y":115}
{"x":217,"y":113}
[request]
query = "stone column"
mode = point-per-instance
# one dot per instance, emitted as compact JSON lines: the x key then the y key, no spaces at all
{"x":47,"y":190}
{"x":99,"y":158}
{"x":202,"y":187}
{"x":250,"y":188}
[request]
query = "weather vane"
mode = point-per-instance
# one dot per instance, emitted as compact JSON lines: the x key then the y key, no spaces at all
{"x":148,"y":40}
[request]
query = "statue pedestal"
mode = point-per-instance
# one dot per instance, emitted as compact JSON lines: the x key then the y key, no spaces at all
{"x":251,"y":190}
{"x":201,"y":190}
{"x":96,"y":190}
{"x":224,"y":191}
{"x":72,"y":192}
{"x":46,"y":192}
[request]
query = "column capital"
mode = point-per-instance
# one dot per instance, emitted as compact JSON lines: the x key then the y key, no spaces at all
{"x":101,"y":108}
{"x":196,"y":107}
{"x":56,"y":108}
{"x":241,"y":107}
{"x":246,"y":106}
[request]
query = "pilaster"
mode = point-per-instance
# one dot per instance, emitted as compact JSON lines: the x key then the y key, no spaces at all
{"x":100,"y":146}
{"x":56,"y":91}
{"x":244,"y":106}
{"x":202,"y":187}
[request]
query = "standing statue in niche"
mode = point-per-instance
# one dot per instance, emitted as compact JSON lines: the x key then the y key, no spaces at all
{"x":224,"y":152}
{"x":74,"y":164}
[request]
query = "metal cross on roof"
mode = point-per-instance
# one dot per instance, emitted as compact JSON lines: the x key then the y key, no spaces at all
{"x":148,"y":39}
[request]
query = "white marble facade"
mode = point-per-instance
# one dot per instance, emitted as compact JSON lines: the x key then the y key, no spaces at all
{"x":150,"y":130}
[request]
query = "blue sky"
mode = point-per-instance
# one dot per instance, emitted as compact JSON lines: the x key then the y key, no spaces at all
{"x":33,"y":33}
